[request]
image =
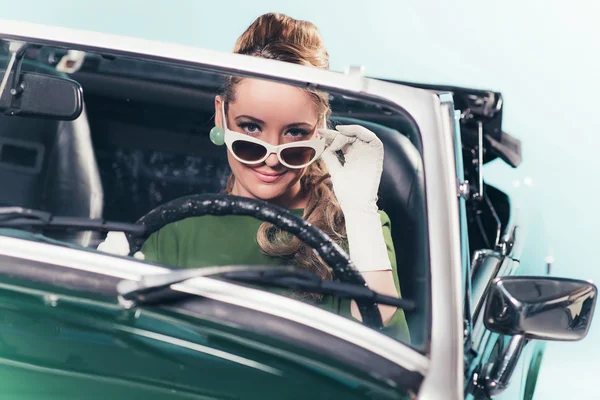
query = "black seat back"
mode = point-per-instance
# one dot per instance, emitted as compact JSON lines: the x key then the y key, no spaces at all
{"x":401,"y":196}
{"x":72,"y":185}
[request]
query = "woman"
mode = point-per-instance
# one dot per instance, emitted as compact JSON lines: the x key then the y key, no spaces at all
{"x":253,"y":117}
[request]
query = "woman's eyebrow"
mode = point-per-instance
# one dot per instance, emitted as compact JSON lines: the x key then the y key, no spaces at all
{"x":261,"y":122}
{"x":300,"y":125}
{"x":253,"y":119}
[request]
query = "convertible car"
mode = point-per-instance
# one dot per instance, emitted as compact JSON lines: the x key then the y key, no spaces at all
{"x":101,"y":133}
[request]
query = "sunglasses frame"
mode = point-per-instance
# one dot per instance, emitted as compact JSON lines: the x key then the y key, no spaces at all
{"x":318,"y":145}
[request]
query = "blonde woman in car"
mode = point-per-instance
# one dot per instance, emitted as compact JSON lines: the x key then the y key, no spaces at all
{"x":279,"y":151}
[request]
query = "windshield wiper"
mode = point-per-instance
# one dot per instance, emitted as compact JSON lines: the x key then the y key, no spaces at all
{"x":19,"y":217}
{"x":151,"y":288}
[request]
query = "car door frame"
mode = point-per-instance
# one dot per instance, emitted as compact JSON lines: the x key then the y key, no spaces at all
{"x":444,"y":376}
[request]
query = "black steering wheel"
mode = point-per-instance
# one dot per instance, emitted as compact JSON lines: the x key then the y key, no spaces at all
{"x":222,"y":204}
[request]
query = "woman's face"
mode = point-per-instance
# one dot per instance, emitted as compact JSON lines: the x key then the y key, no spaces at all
{"x":277,"y":114}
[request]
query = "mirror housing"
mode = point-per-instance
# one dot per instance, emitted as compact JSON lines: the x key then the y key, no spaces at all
{"x":42,"y":96}
{"x":544,"y":308}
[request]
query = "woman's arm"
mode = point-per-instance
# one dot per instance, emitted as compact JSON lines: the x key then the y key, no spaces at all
{"x":384,"y":282}
{"x":381,"y":282}
{"x":355,"y":183}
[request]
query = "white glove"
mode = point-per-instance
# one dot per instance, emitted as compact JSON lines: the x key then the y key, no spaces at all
{"x":355,"y":184}
{"x":117,"y":243}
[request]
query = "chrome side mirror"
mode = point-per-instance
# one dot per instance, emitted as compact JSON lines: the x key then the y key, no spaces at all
{"x":544,"y":308}
{"x":534,"y":308}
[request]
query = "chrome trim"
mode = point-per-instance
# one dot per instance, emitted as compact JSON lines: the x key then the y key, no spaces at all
{"x":498,"y":225}
{"x":479,"y":193}
{"x":265,"y":302}
{"x":464,"y":189}
{"x":83,"y":375}
{"x":464,"y":194}
{"x":486,"y":264}
{"x":202,"y":349}
{"x":498,"y":375}
{"x":13,"y":49}
{"x":481,"y":334}
{"x":76,"y":39}
{"x":11,"y":63}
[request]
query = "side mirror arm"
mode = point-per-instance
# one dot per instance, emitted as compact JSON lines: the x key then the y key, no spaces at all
{"x":498,"y":374}
{"x":16,"y":51}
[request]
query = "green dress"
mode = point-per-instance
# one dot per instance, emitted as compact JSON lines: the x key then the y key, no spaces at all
{"x":231,"y":240}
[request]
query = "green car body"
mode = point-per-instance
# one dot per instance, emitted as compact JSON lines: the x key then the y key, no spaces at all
{"x":88,"y":345}
{"x":59,"y":341}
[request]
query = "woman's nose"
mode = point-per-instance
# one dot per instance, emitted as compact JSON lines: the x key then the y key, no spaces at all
{"x":272,"y":160}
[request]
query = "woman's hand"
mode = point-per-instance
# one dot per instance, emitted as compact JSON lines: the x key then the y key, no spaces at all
{"x":356,"y":180}
{"x":116,"y":243}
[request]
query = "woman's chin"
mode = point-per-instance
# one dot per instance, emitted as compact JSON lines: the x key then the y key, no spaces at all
{"x":268,"y":192}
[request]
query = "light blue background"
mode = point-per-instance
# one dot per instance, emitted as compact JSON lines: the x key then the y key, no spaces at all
{"x":542,"y":55}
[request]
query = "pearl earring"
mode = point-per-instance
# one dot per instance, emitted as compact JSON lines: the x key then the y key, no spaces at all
{"x":217,"y":136}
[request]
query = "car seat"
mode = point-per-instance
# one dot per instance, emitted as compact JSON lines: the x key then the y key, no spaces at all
{"x":402,"y":197}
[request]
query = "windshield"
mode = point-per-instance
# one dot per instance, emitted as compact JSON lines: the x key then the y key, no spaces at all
{"x":151,"y":133}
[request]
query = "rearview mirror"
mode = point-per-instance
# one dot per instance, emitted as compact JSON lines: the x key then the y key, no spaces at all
{"x":42,"y":96}
{"x":540,"y":307}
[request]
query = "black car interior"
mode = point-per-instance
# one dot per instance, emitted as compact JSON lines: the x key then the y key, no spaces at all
{"x":50,"y":165}
{"x":143,"y":141}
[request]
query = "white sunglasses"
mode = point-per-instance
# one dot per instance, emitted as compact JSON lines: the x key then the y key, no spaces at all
{"x":249,"y":150}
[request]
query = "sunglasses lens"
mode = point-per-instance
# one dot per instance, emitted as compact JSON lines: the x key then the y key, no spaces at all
{"x":297,"y":156}
{"x":248,"y":151}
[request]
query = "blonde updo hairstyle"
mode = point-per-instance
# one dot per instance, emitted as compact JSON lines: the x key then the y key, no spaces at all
{"x":278,"y":37}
